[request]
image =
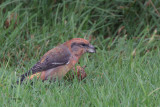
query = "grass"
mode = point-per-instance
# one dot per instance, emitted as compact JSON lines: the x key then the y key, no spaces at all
{"x":123,"y":72}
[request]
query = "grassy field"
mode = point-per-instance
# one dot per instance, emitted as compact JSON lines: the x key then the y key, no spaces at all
{"x":125,"y":71}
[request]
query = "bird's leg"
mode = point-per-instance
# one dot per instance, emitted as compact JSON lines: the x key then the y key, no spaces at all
{"x":80,"y":72}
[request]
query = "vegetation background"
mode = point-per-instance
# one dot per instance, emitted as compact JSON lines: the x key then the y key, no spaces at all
{"x":125,"y":71}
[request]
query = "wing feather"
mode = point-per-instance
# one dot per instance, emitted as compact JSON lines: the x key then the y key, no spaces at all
{"x":53,"y":58}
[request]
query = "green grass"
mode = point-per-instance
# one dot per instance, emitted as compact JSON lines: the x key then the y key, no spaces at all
{"x":124,"y":71}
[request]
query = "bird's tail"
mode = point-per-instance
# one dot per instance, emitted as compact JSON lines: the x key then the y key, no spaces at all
{"x":23,"y":76}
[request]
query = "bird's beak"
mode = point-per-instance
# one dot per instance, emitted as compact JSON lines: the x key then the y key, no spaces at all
{"x":91,"y":49}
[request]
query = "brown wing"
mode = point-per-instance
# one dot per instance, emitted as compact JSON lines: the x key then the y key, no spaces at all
{"x":55,"y":57}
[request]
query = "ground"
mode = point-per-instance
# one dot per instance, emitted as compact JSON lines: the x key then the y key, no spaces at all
{"x":125,"y":71}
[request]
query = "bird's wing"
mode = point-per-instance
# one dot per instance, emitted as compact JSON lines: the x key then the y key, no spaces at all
{"x":55,"y":57}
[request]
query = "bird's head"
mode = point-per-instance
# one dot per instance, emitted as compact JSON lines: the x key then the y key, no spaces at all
{"x":80,"y":46}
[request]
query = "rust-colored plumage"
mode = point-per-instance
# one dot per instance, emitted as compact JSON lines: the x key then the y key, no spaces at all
{"x":81,"y":74}
{"x":59,"y":60}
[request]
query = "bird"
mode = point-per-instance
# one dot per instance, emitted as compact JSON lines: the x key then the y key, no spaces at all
{"x":55,"y":63}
